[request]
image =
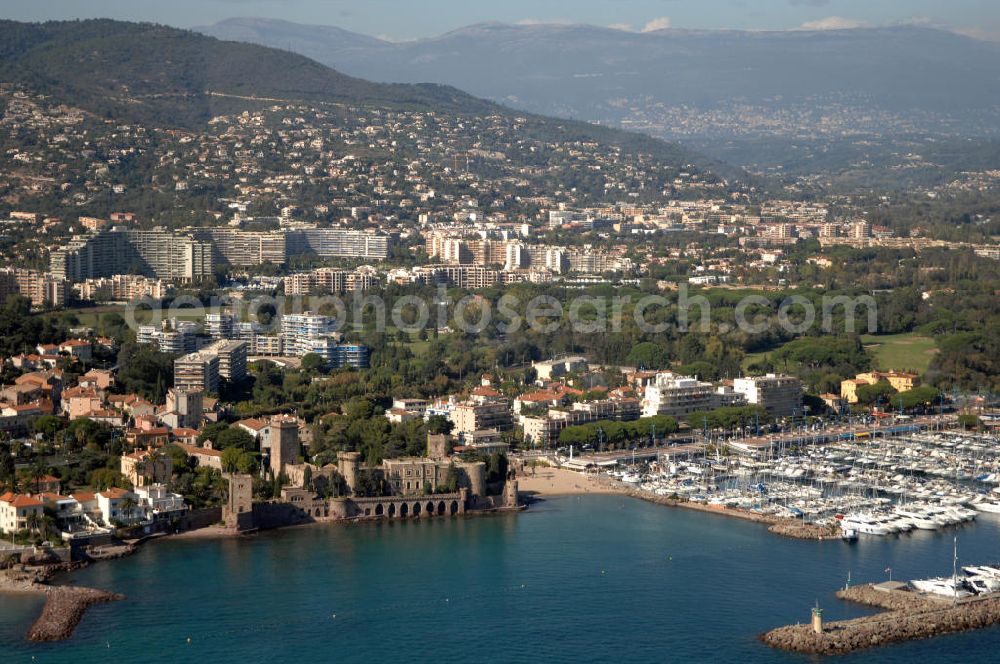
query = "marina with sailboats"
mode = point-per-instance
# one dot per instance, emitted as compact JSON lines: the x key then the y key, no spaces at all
{"x":874,"y":486}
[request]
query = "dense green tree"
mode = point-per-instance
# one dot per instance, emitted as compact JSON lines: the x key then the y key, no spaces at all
{"x":649,"y":355}
{"x":6,"y":465}
{"x":145,"y":371}
{"x":438,"y":424}
{"x":312,"y":362}
{"x":234,"y":437}
{"x":879,"y":393}
{"x":238,"y":460}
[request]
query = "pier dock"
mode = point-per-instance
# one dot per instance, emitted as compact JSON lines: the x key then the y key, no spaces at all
{"x":907,"y":616}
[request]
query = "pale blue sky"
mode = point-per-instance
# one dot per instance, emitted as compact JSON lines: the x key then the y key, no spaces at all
{"x":404,"y":19}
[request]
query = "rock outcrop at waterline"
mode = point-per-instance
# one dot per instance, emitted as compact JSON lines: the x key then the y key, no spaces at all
{"x":64,"y":609}
{"x":797,"y":529}
{"x":908,"y":616}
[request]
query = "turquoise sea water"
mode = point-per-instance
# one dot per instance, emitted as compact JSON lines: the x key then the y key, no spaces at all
{"x":575,"y":579}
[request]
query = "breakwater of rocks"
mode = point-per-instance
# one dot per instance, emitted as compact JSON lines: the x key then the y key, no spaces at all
{"x":64,"y":609}
{"x":64,"y":605}
{"x":784,"y":527}
{"x":907,"y":616}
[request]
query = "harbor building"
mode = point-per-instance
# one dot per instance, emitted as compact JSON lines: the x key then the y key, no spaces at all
{"x":901,"y":381}
{"x":673,"y":395}
{"x":781,"y":396}
{"x":470,"y":417}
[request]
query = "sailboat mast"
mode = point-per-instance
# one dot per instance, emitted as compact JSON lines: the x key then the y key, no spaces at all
{"x":954,"y":572}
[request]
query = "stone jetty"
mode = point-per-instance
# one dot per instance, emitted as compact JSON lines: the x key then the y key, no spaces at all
{"x":907,"y":616}
{"x":783,"y":526}
{"x":64,"y":609}
{"x":64,"y":605}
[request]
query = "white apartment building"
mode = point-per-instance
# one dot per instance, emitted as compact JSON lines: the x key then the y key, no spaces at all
{"x":301,"y":331}
{"x":781,"y":396}
{"x":670,"y":394}
{"x":198,"y":371}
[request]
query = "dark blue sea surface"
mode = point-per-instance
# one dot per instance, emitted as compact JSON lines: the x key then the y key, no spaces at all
{"x":574,"y":579}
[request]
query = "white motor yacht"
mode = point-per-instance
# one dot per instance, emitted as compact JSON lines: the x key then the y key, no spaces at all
{"x":943,"y":586}
{"x":986,"y":505}
{"x":983,"y":585}
{"x":864,"y":523}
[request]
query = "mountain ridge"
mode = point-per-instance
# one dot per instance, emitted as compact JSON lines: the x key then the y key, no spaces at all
{"x":153,"y":73}
{"x":899,"y":68}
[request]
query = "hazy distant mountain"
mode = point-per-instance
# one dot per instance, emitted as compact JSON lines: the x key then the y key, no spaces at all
{"x":172,"y":78}
{"x":605,"y":74}
{"x":142,"y":71}
{"x":852,"y":104}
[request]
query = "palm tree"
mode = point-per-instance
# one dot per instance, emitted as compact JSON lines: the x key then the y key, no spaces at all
{"x":34,"y":522}
{"x":128,"y":506}
{"x":38,"y":471}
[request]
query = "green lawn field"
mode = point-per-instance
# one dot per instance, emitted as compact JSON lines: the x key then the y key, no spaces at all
{"x":901,"y":352}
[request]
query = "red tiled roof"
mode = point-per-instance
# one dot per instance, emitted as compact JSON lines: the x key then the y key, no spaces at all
{"x":194,"y":449}
{"x":54,"y":497}
{"x":158,"y":431}
{"x":20,"y":500}
{"x":540,"y":396}
{"x":103,"y":412}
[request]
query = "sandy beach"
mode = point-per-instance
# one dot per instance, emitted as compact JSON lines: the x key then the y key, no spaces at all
{"x":14,"y":581}
{"x":559,"y":482}
{"x":211,"y":532}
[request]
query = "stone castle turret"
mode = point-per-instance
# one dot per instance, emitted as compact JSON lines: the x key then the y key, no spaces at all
{"x":473,"y":477}
{"x":285,"y":447}
{"x":238,"y":510}
{"x":347,"y":466}
{"x":438,"y":446}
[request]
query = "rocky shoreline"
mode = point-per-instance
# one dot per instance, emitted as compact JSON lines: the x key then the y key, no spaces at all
{"x":907,"y":616}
